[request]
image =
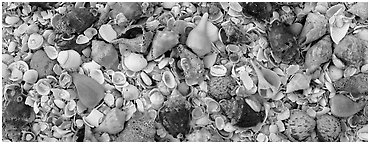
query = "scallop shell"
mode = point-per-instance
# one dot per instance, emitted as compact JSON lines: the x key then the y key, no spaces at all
{"x":35,"y":41}
{"x":65,"y":80}
{"x":82,"y":39}
{"x":51,"y":52}
{"x":43,"y":87}
{"x":30,"y":76}
{"x":69,"y":59}
{"x":97,"y":75}
{"x":119,"y":79}
{"x":90,"y":33}
{"x":218,"y":70}
{"x":168,"y":79}
{"x":107,"y":32}
{"x":94,"y":118}
{"x":135,"y":62}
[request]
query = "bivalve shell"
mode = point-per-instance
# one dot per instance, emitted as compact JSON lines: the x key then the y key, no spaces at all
{"x":97,"y":75}
{"x":107,"y":32}
{"x":169,"y":79}
{"x":109,"y":99}
{"x":82,"y":39}
{"x":43,"y":87}
{"x":51,"y":52}
{"x":11,"y":20}
{"x":135,"y":62}
{"x":90,"y":33}
{"x":146,"y":79}
{"x":130,"y":92}
{"x":30,"y":76}
{"x":119,"y":79}
{"x":69,"y":59}
{"x":35,"y":41}
{"x":218,"y":70}
{"x":94,"y":118}
{"x":156,"y":98}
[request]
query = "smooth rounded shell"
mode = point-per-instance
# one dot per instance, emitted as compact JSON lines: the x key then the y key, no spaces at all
{"x":30,"y":76}
{"x":69,"y":59}
{"x":169,"y":79}
{"x":35,"y":41}
{"x":135,"y":62}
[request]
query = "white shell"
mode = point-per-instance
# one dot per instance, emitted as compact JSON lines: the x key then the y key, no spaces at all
{"x":81,"y":39}
{"x":35,"y":41}
{"x":59,"y":103}
{"x":130,"y":92}
{"x":146,"y":79}
{"x":363,"y":133}
{"x":109,"y":99}
{"x":90,"y":33}
{"x":169,"y":79}
{"x":218,"y":70}
{"x":229,"y":127}
{"x":156,"y":98}
{"x":107,"y":32}
{"x":219,"y":123}
{"x":30,"y":76}
{"x":51,"y":52}
{"x":69,"y":59}
{"x":254,"y":105}
{"x":94,"y":118}
{"x":11,"y":20}
{"x":70,"y":109}
{"x":97,"y":75}
{"x":210,"y":60}
{"x":119,"y":79}
{"x":135,"y":62}
{"x":43,"y":87}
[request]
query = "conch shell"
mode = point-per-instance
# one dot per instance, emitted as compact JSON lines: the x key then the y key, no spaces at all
{"x":268,"y":81}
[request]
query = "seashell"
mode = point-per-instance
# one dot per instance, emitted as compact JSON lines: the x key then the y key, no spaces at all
{"x":363,"y":133}
{"x":97,"y":75}
{"x":318,"y":54}
{"x":113,"y":122}
{"x":231,"y":48}
{"x":134,"y":38}
{"x":342,"y":106}
{"x":212,"y":32}
{"x":296,"y":28}
{"x":349,"y":71}
{"x":131,"y":10}
{"x":90,"y":32}
{"x":268,"y":81}
{"x":298,"y":82}
{"x":145,"y":78}
{"x":234,"y":13}
{"x":234,"y":58}
{"x":61,"y":94}
{"x":198,"y":40}
{"x":16,"y":75}
{"x":35,"y":41}
{"x":59,"y":103}
{"x":235,"y":6}
{"x":156,"y":98}
{"x":212,"y":106}
{"x":130,"y":92}
{"x":109,"y":99}
{"x":335,"y":73}
{"x":30,"y":76}
{"x":51,"y":52}
{"x":247,"y":80}
{"x":119,"y":79}
{"x":28,"y":136}
{"x":169,"y":79}
{"x":219,"y":122}
{"x":163,"y":41}
{"x":334,"y":9}
{"x":218,"y":70}
{"x":168,"y":5}
{"x":209,"y":60}
{"x":11,"y":20}
{"x":107,"y":32}
{"x":135,"y":62}
{"x":43,"y":87}
{"x":104,"y":54}
{"x":256,"y":106}
{"x":314,"y":28}
{"x":81,"y":39}
{"x":164,"y":62}
{"x":94,"y":118}
{"x":65,"y":80}
{"x":198,"y":112}
{"x":337,"y":29}
{"x":224,"y":134}
{"x":90,"y":92}
{"x":337,"y":62}
{"x":12,"y":46}
{"x":69,"y":59}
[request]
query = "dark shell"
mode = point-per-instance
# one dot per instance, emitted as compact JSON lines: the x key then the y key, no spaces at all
{"x":134,"y":38}
{"x":175,"y":116}
{"x":75,"y":21}
{"x":241,"y":113}
{"x":259,"y":10}
{"x":356,"y":85}
{"x":131,"y":10}
{"x":352,"y":50}
{"x":140,"y":128}
{"x":328,"y":128}
{"x":283,"y":43}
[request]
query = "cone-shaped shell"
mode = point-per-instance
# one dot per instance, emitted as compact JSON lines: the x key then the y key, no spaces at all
{"x":90,"y":92}
{"x":162,"y":42}
{"x":198,"y":39}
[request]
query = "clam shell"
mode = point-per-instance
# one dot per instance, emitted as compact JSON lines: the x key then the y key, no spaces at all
{"x":337,"y":62}
{"x":235,"y":6}
{"x":12,"y":46}
{"x":146,"y":79}
{"x":59,"y":103}
{"x":11,"y":20}
{"x":20,"y":65}
{"x":81,"y":39}
{"x":94,"y":118}
{"x":90,"y":33}
{"x":97,"y":75}
{"x":35,"y":41}
{"x":109,"y":99}
{"x":229,"y":127}
{"x":119,"y":102}
{"x":30,"y":76}
{"x":61,"y":94}
{"x":130,"y":92}
{"x":335,"y":73}
{"x":219,"y":122}
{"x":256,"y":106}
{"x":363,"y":133}
{"x":65,"y":80}
{"x":69,"y":59}
{"x":156,"y":98}
{"x":43,"y":87}
{"x":135,"y":62}
{"x":218,"y":70}
{"x":169,"y":79}
{"x":119,"y":79}
{"x":231,"y":48}
{"x":107,"y":32}
{"x":51,"y":52}
{"x":212,"y":106}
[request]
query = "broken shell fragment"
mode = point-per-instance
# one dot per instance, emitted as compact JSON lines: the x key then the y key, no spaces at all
{"x":81,"y":39}
{"x":51,"y":52}
{"x":104,"y":54}
{"x":212,"y":105}
{"x":11,"y":20}
{"x":218,"y":70}
{"x":59,"y":103}
{"x":268,"y":81}
{"x":35,"y":41}
{"x":94,"y":118}
{"x":168,"y":79}
{"x":135,"y":62}
{"x":43,"y":87}
{"x":363,"y":133}
{"x":314,"y":28}
{"x":30,"y":76}
{"x":69,"y":59}
{"x":162,"y":42}
{"x":107,"y":32}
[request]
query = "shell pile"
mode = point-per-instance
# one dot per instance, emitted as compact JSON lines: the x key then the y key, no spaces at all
{"x":184,"y":71}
